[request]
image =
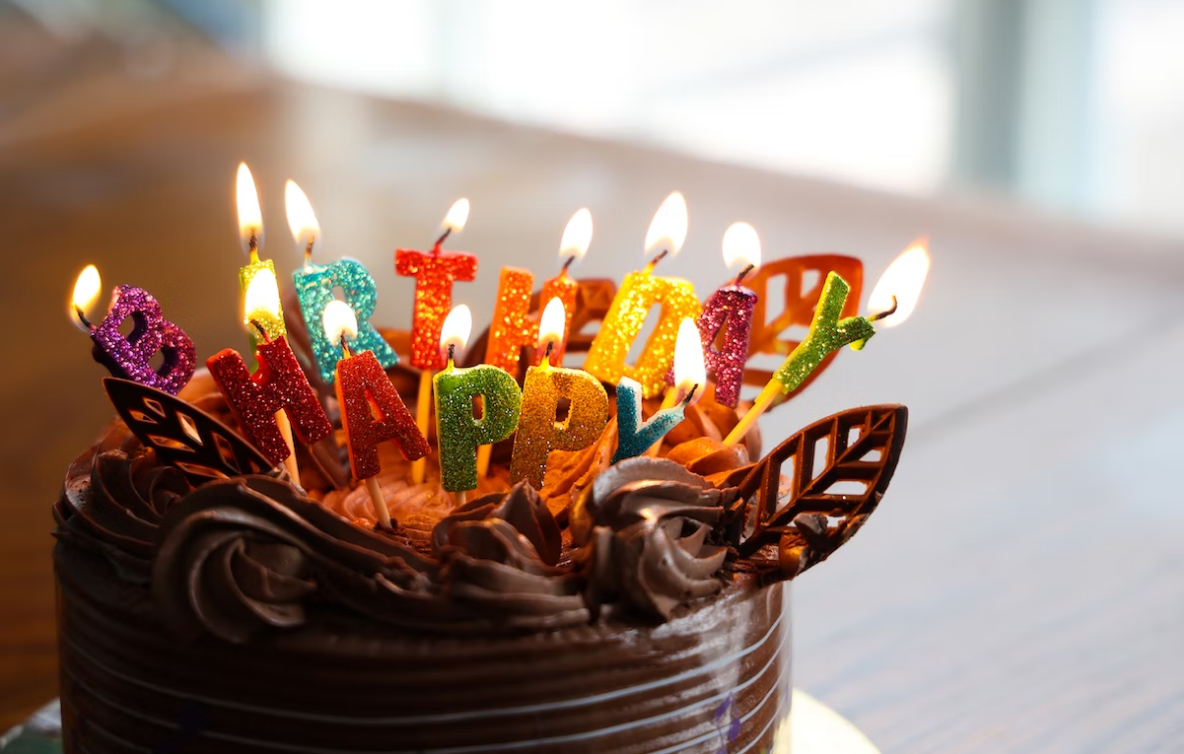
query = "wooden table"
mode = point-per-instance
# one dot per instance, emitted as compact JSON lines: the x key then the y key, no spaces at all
{"x":1020,"y":589}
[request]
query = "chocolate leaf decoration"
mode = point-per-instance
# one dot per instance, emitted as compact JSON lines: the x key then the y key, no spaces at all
{"x":841,"y":468}
{"x":182,"y":434}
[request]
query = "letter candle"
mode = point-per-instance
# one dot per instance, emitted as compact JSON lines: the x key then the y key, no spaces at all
{"x":130,"y":357}
{"x":371,"y":409}
{"x":434,"y":275}
{"x":900,"y":284}
{"x":250,"y":225}
{"x":314,"y":290}
{"x":730,"y":309}
{"x":262,"y":305}
{"x":458,"y":432}
{"x":640,"y":291}
{"x":278,"y":388}
{"x":690,"y":372}
{"x":538,"y":431}
{"x":635,"y":438}
{"x":512,"y":326}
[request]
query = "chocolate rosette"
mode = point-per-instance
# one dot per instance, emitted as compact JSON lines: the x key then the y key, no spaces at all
{"x":500,"y":554}
{"x":646,"y":529}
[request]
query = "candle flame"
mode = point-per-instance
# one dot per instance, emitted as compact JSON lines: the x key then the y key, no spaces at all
{"x":742,"y":246}
{"x":690,"y":368}
{"x":553,"y":323}
{"x":339,"y":319}
{"x":86,"y":290}
{"x":457,"y":216}
{"x":904,"y":279}
{"x":262,"y":299}
{"x":301,"y":219}
{"x":668,"y":229}
{"x":458,"y":325}
{"x":250,"y":217}
{"x":577,"y":236}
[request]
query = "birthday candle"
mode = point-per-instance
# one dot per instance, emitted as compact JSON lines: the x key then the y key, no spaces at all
{"x":130,"y":357}
{"x":458,"y":432}
{"x":901,"y":283}
{"x":538,"y":431}
{"x":638,"y":293}
{"x":434,"y":274}
{"x":250,"y":224}
{"x":730,"y":309}
{"x":690,"y":375}
{"x":364,"y":390}
{"x":314,"y":290}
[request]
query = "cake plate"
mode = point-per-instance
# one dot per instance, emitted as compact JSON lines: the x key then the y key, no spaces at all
{"x":817,"y":729}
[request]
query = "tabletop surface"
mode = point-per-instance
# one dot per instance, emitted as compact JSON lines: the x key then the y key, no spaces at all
{"x":1020,"y":589}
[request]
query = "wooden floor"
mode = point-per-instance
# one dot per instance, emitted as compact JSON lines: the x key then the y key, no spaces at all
{"x":1020,"y":589}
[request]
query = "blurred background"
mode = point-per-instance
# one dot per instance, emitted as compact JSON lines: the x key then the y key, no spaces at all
{"x":1072,"y":105}
{"x":1022,"y":586}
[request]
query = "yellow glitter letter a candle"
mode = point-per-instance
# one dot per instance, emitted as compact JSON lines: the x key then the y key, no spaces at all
{"x":640,"y":291}
{"x":538,"y":431}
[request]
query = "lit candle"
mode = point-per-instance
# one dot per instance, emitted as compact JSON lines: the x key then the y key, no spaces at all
{"x":640,"y":291}
{"x":458,"y":432}
{"x":314,"y":290}
{"x":250,"y":225}
{"x":538,"y":431}
{"x":371,"y":410}
{"x":261,"y":306}
{"x":690,"y":375}
{"x":279,"y":388}
{"x":897,"y":293}
{"x":730,"y":309}
{"x":130,"y":357}
{"x":513,"y":327}
{"x":434,"y":274}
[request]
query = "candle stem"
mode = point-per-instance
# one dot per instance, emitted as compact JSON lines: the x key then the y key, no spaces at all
{"x":423,"y":412}
{"x":763,"y":401}
{"x":285,"y":426}
{"x":384,"y":514}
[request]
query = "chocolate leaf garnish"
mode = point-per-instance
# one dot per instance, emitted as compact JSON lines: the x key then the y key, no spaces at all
{"x":182,"y":434}
{"x":841,"y":468}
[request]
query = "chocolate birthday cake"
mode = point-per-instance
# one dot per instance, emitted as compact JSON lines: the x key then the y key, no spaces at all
{"x":211,"y":602}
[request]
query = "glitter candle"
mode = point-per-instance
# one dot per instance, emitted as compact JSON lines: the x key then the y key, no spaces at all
{"x":577,"y":237}
{"x":638,"y":293}
{"x":458,"y":432}
{"x":250,"y":224}
{"x":130,"y":357}
{"x":538,"y":431}
{"x":278,"y":385}
{"x":730,"y":310}
{"x":314,"y":291}
{"x":634,"y":437}
{"x":901,"y":284}
{"x":434,"y":274}
{"x":512,"y":327}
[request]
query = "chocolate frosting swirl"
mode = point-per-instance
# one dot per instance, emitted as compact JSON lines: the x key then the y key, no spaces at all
{"x":646,"y":529}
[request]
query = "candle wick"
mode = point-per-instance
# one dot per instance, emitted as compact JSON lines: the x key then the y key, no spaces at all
{"x":262,"y":331}
{"x":82,"y":317}
{"x":883,"y":314}
{"x":744,"y":273}
{"x":550,"y":347}
{"x":440,"y":241}
{"x":687,"y":401}
{"x":308,"y":249}
{"x":451,"y":352}
{"x":661,"y":255}
{"x":568,"y":263}
{"x":345,"y":349}
{"x":253,"y":245}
